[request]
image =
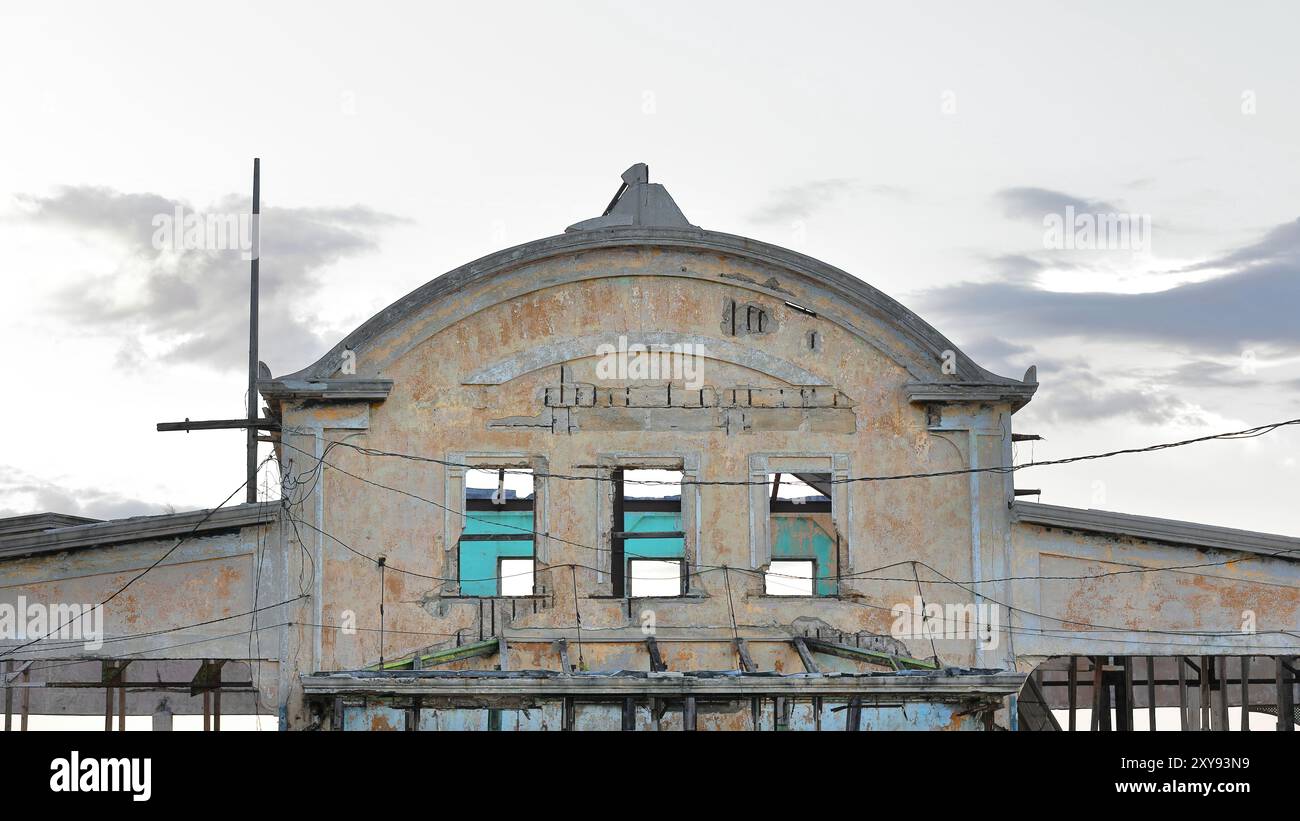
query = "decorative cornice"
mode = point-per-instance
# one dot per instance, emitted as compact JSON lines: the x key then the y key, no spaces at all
{"x":1018,"y":394}
{"x":338,"y":389}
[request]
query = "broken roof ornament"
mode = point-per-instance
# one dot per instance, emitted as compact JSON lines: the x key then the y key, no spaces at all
{"x":638,"y":202}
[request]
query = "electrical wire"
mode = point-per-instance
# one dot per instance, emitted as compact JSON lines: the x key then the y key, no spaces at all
{"x":1247,"y":433}
{"x":144,"y":572}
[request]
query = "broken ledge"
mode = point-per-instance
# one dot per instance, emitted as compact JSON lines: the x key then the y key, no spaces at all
{"x":338,"y":389}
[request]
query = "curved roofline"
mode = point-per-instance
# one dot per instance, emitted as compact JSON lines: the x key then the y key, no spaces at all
{"x":927,"y":342}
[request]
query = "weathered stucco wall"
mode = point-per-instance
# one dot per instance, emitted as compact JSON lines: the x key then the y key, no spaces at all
{"x":528,"y":325}
{"x":193,"y":605}
{"x":1102,"y":599}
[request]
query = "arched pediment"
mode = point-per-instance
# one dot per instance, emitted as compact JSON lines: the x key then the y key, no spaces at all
{"x":937,"y":369}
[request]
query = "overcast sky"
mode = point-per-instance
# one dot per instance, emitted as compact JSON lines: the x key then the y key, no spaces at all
{"x":917,"y":146}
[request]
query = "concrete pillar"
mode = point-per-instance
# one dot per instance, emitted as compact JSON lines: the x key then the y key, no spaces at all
{"x":162,"y":717}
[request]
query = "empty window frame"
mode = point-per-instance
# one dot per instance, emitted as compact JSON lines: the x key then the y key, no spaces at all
{"x":648,"y":545}
{"x":790,"y":577}
{"x":805,"y":543}
{"x":497,"y":540}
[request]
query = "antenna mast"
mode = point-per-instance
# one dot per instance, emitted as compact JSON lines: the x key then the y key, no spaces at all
{"x":253,"y":401}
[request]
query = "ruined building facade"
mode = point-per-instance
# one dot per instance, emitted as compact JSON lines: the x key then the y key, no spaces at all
{"x":642,"y":475}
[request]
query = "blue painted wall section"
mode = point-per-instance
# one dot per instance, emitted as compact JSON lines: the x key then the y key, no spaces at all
{"x":478,"y":560}
{"x":800,"y":537}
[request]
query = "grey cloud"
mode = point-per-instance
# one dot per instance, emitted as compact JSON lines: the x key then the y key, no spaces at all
{"x":197,"y":300}
{"x":802,"y":201}
{"x":1212,"y":375}
{"x":35,"y":495}
{"x":999,"y":355}
{"x":1280,"y":245}
{"x":1216,"y":321}
{"x":1071,"y":392}
{"x":1034,"y":203}
{"x":1026,"y":267}
{"x":1204,"y":373}
{"x":1254,"y":305}
{"x":1066,"y":402}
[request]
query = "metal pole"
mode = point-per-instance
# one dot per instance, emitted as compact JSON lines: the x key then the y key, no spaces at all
{"x":251,"y":489}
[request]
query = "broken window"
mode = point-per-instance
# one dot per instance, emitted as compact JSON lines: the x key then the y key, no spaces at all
{"x":805,"y":543}
{"x":496,"y":543}
{"x":648,"y":543}
{"x":790,"y":577}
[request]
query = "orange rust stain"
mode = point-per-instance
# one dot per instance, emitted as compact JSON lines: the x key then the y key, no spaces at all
{"x":381,"y":723}
{"x":954,"y":723}
{"x":226,"y":577}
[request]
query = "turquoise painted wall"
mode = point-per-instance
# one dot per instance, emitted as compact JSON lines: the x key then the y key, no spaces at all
{"x":799,"y":538}
{"x":647,"y":522}
{"x":478,"y":560}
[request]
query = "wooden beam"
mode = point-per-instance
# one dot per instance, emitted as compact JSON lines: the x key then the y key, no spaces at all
{"x":617,"y":563}
{"x":27,"y":696}
{"x":1182,"y":693}
{"x":562,"y":646}
{"x":9,"y":692}
{"x":858,"y":654}
{"x":1124,"y":712}
{"x":480,"y":648}
{"x":656,"y":661}
{"x":805,"y":656}
{"x":1100,"y":697}
{"x":1193,"y":696}
{"x":781,"y":714}
{"x":1151,"y":693}
{"x":746,"y":660}
{"x":1207,"y":694}
{"x":1245,"y":694}
{"x":1222,"y":667}
{"x":1072,"y":681}
{"x":219,"y":424}
{"x":647,"y":534}
{"x":110,"y":673}
{"x":207,"y":677}
{"x":1285,"y":698}
{"x":1034,"y":714}
{"x":853,"y":723}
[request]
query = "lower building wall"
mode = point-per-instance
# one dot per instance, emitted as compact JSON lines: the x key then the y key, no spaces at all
{"x":730,"y":715}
